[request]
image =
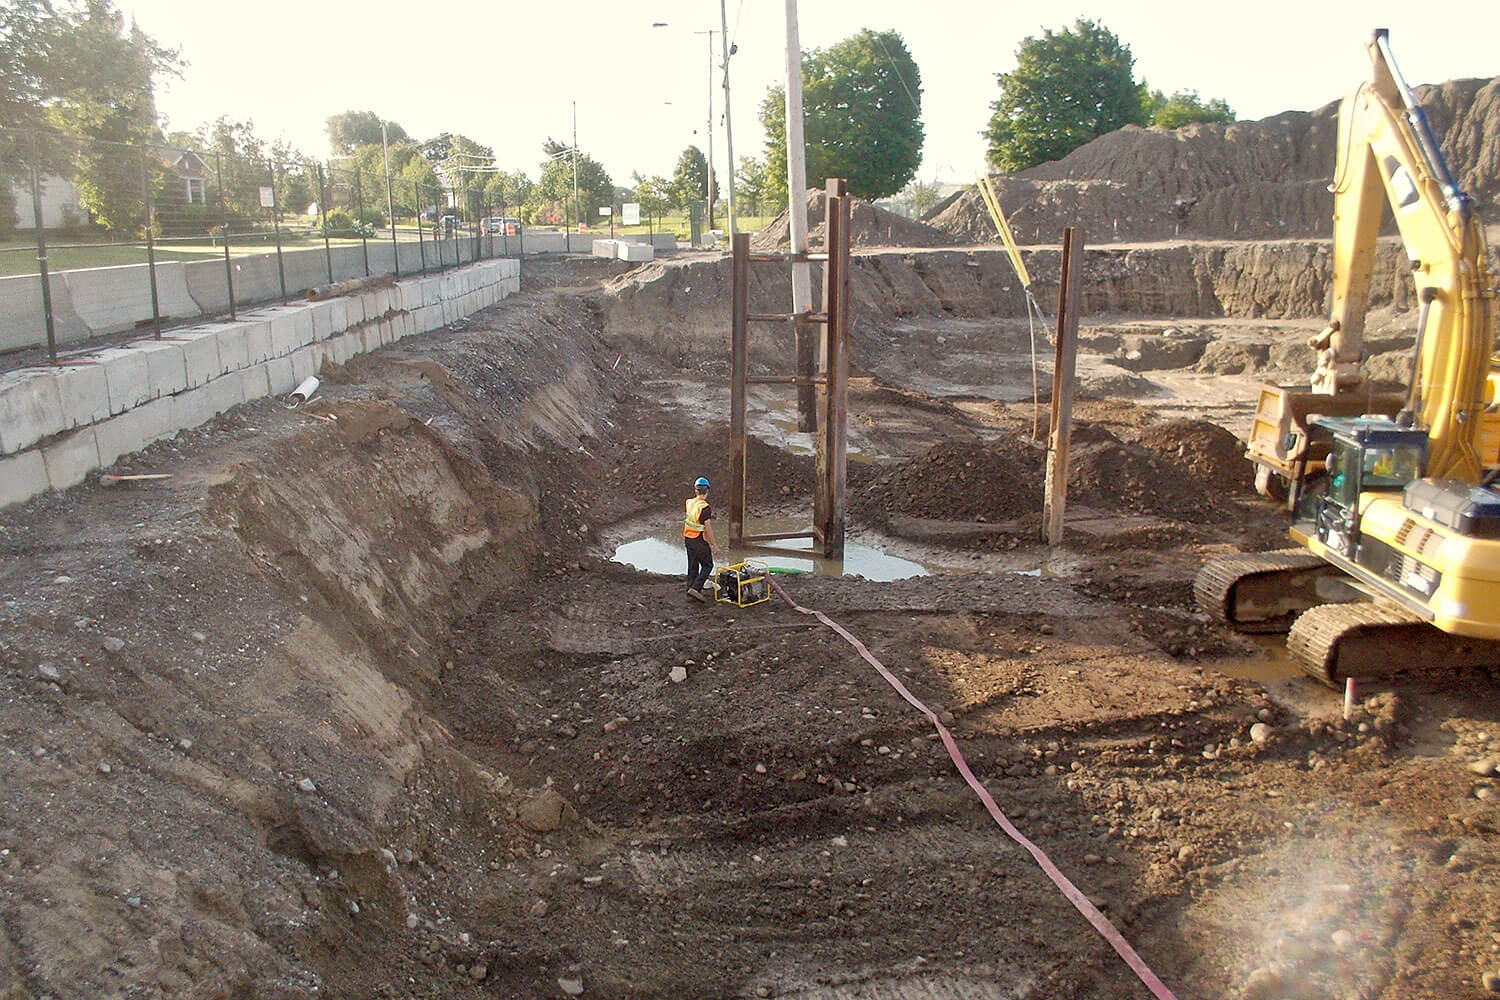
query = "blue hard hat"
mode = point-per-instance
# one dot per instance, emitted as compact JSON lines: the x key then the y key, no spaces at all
{"x":702,"y":483}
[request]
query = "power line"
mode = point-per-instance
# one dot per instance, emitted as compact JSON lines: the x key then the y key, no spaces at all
{"x":897,"y":70}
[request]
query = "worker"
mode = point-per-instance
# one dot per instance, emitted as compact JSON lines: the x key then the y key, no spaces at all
{"x":698,"y":537}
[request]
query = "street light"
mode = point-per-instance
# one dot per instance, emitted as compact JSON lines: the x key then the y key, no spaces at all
{"x":728,"y":50}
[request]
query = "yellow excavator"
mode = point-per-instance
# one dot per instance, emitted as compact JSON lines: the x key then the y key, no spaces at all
{"x":1397,"y":565}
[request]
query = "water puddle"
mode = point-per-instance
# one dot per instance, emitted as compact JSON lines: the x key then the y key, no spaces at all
{"x":1270,"y":662}
{"x":662,"y":552}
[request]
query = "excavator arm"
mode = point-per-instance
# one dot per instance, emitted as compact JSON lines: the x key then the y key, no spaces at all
{"x":1388,"y":156}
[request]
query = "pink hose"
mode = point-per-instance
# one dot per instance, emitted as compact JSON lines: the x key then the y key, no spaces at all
{"x":1078,"y":899}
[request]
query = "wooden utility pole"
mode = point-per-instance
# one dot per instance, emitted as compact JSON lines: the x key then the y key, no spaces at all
{"x":1065,"y":362}
{"x":796,"y":181}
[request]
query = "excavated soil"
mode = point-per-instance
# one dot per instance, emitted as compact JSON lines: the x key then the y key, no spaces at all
{"x":355,"y":704}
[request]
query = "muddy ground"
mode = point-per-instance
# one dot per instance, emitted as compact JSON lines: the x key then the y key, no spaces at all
{"x":357,"y":705}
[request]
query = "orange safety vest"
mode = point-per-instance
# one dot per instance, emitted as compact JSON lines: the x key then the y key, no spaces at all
{"x":691,"y":526}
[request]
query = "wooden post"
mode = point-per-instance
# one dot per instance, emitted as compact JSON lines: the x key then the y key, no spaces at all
{"x":832,"y":449}
{"x":739,"y":366}
{"x":1056,"y":498}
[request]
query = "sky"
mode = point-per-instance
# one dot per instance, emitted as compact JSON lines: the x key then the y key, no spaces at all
{"x":511,"y":73}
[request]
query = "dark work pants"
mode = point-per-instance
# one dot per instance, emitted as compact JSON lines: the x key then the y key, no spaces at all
{"x":700,"y":561}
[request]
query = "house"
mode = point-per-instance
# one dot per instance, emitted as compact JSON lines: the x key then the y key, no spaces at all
{"x":190,"y":169}
{"x":59,"y":205}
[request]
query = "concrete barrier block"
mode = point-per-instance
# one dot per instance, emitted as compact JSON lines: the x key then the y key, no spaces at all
{"x":322,"y":318}
{"x":636,"y":252}
{"x":234,"y":352}
{"x":70,"y":458}
{"x":191,"y":408}
{"x":22,"y":477}
{"x":340,"y":349}
{"x":306,"y":361}
{"x":354,"y":310}
{"x":286,"y":336}
{"x":370,"y":339}
{"x":279,"y":371}
{"x":85,"y":394}
{"x":255,"y":382}
{"x":339,"y":315}
{"x":111,"y":299}
{"x":257,"y":341}
{"x":604,"y":248}
{"x":126,"y":376}
{"x":226,"y":393}
{"x":200,"y":355}
{"x":133,"y":430}
{"x":165,"y":366}
{"x":30,"y":408}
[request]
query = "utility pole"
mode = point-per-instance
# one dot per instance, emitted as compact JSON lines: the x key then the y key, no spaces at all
{"x":577,"y":218}
{"x":708,"y":148}
{"x":796,"y":176}
{"x":390,"y":203}
{"x":728,"y":51}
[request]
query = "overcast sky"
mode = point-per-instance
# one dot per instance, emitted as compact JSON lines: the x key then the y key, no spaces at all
{"x":507,"y":72}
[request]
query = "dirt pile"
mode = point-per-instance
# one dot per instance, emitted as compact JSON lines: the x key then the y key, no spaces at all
{"x":1210,"y":454}
{"x":869,"y":226}
{"x":1266,"y":179}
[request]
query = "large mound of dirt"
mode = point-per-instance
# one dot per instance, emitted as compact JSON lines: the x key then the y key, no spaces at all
{"x":1247,"y":180}
{"x":1179,"y":470}
{"x":870,"y":226}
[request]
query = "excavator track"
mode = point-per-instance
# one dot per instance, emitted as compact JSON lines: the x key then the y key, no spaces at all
{"x":1261,"y":591}
{"x":1367,"y":641}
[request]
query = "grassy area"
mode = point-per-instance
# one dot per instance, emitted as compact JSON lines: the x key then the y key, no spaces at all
{"x":20,"y":257}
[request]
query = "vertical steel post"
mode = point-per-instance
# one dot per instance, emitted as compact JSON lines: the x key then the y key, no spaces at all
{"x":1059,"y":438}
{"x":224,"y":228}
{"x":416,"y":188}
{"x":390,"y":203}
{"x":323,"y":208}
{"x":832,"y":452}
{"x":359,"y":201}
{"x":739,"y":365}
{"x":41,"y":248}
{"x":150,"y":246}
{"x":276,"y":224}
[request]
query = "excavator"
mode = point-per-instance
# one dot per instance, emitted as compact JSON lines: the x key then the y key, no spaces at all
{"x":1396,"y":514}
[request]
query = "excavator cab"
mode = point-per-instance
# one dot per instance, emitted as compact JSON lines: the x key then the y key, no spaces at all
{"x":1369,"y":455}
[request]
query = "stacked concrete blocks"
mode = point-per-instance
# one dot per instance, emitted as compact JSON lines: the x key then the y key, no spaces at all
{"x":58,"y":424}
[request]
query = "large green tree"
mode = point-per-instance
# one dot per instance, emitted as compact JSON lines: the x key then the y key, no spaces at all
{"x":1185,"y":107}
{"x":551,"y":198}
{"x":862,"y":116}
{"x":1068,"y":87}
{"x":349,"y":130}
{"x":79,"y":67}
{"x":506,"y":192}
{"x":654,"y":194}
{"x":752,"y":189}
{"x":690,"y":178}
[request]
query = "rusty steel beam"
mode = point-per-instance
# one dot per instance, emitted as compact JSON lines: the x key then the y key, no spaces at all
{"x":1059,"y":438}
{"x":831,"y":461}
{"x":739,"y":367}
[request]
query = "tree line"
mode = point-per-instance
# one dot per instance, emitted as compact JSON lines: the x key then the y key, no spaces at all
{"x":78,"y":68}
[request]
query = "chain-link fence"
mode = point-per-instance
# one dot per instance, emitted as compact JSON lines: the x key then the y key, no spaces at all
{"x":152,"y":235}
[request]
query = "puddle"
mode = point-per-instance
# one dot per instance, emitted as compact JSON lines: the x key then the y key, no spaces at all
{"x":1270,"y":662}
{"x":662,"y":552}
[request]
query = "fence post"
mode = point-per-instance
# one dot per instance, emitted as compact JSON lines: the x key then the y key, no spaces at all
{"x":150,"y":246}
{"x":41,"y":247}
{"x":276,"y":224}
{"x":390,"y":211}
{"x":359,"y":200}
{"x":323,"y":207}
{"x":224,"y":227}
{"x":416,"y":187}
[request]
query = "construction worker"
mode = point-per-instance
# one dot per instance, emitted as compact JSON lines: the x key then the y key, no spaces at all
{"x":698,"y":537}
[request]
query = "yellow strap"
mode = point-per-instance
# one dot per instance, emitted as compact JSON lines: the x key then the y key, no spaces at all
{"x":993,"y":204}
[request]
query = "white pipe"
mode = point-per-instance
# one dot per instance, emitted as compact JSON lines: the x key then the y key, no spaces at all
{"x":304,"y":391}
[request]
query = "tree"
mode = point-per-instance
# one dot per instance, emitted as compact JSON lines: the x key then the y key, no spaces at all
{"x":690,"y":178}
{"x":507,"y":191}
{"x":862,"y":116}
{"x":1185,"y":107}
{"x":654,"y":194}
{"x":552,"y":195}
{"x":752,"y":192}
{"x":349,"y":130}
{"x":922,"y":195}
{"x":1068,"y":88}
{"x":461,"y":162}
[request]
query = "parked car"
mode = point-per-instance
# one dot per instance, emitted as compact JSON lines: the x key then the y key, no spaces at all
{"x":505,"y":225}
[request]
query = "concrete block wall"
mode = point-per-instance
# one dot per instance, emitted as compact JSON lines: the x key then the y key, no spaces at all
{"x":92,"y":302}
{"x":58,"y":424}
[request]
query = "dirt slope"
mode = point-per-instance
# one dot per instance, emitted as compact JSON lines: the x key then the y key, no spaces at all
{"x":869,"y":226}
{"x":1265,"y":179}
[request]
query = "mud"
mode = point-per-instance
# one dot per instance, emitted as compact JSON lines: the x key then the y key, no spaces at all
{"x":356,"y":705}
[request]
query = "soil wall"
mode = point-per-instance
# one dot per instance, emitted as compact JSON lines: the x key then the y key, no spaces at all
{"x":681,"y":310}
